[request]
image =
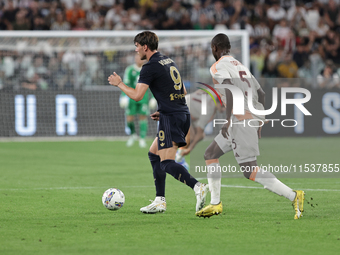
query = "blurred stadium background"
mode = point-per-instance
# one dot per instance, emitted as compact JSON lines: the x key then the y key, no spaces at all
{"x":54,"y":83}
{"x":55,"y":60}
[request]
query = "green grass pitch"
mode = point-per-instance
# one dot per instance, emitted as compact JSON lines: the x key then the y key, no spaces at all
{"x":50,"y":203}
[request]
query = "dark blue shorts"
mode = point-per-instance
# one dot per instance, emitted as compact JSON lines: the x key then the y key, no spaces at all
{"x":172,"y":128}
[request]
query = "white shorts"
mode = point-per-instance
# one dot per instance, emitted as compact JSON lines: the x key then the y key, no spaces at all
{"x":243,"y":140}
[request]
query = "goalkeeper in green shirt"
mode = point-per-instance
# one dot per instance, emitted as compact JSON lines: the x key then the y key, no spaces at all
{"x":133,"y":108}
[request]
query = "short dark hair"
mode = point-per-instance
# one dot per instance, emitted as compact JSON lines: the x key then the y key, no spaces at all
{"x":147,"y":38}
{"x":221,"y":41}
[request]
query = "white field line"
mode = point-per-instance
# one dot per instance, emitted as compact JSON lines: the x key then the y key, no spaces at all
{"x":121,"y":187}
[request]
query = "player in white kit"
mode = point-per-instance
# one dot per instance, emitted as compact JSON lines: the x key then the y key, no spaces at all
{"x":237,"y":134}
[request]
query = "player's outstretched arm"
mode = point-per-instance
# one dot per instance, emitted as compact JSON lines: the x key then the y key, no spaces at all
{"x":136,"y":94}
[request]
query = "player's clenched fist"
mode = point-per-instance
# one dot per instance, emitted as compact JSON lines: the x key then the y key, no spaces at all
{"x":155,"y":116}
{"x":114,"y":79}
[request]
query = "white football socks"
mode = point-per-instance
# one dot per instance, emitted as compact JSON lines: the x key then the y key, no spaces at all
{"x":267,"y":179}
{"x":197,"y":187}
{"x":160,"y":199}
{"x":270,"y":182}
{"x":214,"y":180}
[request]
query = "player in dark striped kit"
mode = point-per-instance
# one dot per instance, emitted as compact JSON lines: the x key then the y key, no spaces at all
{"x":161,"y":75}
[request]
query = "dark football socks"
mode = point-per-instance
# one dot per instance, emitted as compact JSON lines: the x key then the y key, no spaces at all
{"x":178,"y":172}
{"x":158,"y":174}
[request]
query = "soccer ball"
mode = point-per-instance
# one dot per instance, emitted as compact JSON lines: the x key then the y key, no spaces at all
{"x":113,"y":199}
